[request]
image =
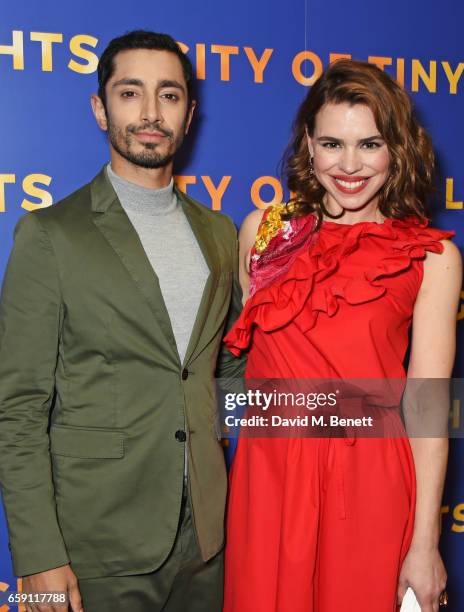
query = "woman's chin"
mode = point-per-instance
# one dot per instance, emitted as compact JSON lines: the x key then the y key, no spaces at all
{"x":351,"y":203}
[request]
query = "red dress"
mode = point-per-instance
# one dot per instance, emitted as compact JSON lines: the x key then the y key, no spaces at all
{"x":323,"y":524}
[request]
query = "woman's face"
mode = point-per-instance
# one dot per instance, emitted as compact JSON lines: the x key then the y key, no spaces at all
{"x":351,"y":159}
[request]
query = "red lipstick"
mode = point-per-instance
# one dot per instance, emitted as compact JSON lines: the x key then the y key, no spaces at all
{"x":350,"y":184}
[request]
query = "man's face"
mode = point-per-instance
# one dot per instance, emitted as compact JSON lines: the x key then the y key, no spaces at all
{"x":147,"y":114}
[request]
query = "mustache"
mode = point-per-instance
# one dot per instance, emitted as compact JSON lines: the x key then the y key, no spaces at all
{"x":149,"y":127}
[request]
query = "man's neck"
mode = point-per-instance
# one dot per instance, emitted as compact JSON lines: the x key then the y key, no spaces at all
{"x":153,"y":178}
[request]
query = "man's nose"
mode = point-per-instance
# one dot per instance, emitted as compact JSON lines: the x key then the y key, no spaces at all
{"x":151,"y":109}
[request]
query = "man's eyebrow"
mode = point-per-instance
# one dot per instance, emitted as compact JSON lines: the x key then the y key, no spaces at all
{"x":126,"y":81}
{"x":139,"y":83}
{"x":171,"y":83}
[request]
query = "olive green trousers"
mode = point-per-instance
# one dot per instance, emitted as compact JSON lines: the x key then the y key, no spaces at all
{"x":184,"y":583}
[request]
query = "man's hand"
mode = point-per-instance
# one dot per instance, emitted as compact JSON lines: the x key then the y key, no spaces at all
{"x":58,"y":579}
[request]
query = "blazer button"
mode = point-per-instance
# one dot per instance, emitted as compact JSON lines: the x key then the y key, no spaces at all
{"x":185,"y":374}
{"x":180,"y":435}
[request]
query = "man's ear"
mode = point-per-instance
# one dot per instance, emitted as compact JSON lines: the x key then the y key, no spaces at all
{"x":190,"y":111}
{"x":99,"y":112}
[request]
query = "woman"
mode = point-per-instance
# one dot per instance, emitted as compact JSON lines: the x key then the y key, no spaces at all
{"x":336,"y":280}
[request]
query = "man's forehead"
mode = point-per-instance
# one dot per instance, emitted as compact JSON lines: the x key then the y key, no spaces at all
{"x":147,"y":65}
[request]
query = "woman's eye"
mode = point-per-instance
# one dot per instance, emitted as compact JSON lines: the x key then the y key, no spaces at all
{"x":372,"y":145}
{"x":331,"y":145}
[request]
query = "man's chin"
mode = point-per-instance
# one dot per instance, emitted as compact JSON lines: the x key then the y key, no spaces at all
{"x":152,"y":164}
{"x":150,"y":160}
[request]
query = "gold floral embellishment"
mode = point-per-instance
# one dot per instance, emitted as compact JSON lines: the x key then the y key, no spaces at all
{"x":271,"y":226}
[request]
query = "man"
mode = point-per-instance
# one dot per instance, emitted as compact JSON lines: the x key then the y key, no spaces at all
{"x":113,"y":309}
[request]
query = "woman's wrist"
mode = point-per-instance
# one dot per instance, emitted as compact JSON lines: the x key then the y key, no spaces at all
{"x":424,"y":544}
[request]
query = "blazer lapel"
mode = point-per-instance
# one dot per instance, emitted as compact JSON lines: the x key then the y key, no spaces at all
{"x":206,"y":242}
{"x":112,"y":221}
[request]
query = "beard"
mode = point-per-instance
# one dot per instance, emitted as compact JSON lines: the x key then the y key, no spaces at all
{"x":122,"y":140}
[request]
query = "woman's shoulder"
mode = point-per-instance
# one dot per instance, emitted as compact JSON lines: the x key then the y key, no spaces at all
{"x":449,"y":256}
{"x":251,"y":223}
{"x":261,"y":225}
{"x":443,"y":261}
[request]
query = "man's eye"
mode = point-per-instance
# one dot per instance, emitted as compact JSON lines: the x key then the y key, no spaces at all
{"x":170,"y":96}
{"x":128,"y":94}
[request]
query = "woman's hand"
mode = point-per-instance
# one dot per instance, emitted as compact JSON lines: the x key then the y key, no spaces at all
{"x":424,"y":572}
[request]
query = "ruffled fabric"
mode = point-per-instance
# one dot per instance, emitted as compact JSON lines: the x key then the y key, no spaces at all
{"x":289,"y":239}
{"x":299,"y":294}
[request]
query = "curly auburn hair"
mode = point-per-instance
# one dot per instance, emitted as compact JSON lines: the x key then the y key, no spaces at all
{"x":412,"y":158}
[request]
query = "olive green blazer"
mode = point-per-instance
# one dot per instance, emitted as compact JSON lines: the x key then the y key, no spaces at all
{"x":92,"y":390}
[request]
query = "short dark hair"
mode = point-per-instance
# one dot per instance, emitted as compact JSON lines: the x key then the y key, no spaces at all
{"x":141,"y":39}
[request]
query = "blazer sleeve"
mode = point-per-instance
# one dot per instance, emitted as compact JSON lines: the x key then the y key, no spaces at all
{"x":228,"y":365}
{"x":30,"y":310}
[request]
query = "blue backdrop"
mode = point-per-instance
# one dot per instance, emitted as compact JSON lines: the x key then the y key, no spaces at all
{"x":254,"y":62}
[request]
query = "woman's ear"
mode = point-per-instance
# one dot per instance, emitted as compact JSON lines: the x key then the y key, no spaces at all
{"x":309,"y":143}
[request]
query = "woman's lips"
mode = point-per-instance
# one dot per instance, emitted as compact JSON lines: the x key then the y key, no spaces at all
{"x":350,"y":184}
